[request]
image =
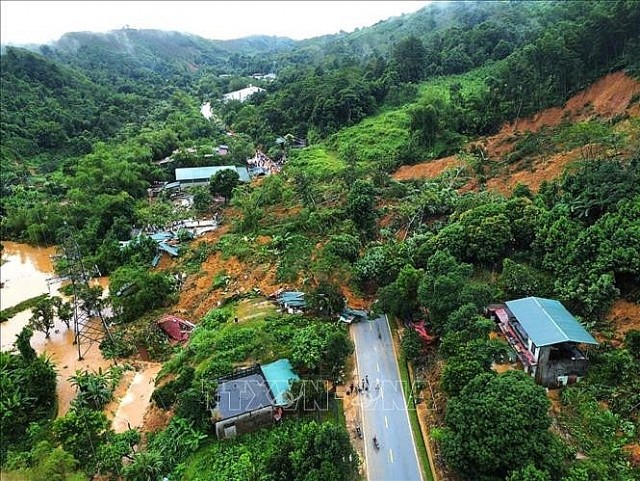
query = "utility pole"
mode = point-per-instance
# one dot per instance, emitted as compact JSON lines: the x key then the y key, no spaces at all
{"x":86,"y":310}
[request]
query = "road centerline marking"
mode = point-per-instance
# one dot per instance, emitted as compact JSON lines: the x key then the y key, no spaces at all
{"x":391,"y":454}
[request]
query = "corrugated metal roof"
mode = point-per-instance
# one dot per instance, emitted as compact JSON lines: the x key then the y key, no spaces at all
{"x":292,"y":299}
{"x":279,"y":376}
{"x":548,"y":322}
{"x":205,"y":173}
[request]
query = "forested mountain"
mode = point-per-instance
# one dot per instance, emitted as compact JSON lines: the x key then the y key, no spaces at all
{"x":512,"y":201}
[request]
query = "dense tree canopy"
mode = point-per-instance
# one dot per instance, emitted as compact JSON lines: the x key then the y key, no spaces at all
{"x":499,"y":423}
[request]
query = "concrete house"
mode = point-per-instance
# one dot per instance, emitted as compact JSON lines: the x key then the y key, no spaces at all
{"x":251,"y":398}
{"x":201,"y":175}
{"x":547,"y":339}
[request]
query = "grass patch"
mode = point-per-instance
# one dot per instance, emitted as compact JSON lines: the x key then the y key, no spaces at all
{"x":9,"y":312}
{"x":255,"y":309}
{"x":316,"y":161}
{"x":375,"y":138}
{"x":334,"y":414}
{"x":413,"y":414}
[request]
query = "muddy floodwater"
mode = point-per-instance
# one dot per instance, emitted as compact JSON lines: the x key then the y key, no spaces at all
{"x":24,"y":274}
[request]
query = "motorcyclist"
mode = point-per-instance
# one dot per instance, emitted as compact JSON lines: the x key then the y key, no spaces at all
{"x":375,"y":442}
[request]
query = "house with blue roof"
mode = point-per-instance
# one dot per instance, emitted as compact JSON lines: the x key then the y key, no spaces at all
{"x":191,"y":176}
{"x":549,"y":342}
{"x":250,"y":398}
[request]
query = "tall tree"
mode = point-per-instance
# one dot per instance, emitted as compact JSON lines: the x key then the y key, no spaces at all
{"x":499,"y":423}
{"x":223,"y":183}
{"x":361,"y":206}
{"x":43,"y":316}
{"x":410,"y":56}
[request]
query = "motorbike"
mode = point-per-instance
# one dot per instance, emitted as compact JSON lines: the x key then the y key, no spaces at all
{"x":375,"y":443}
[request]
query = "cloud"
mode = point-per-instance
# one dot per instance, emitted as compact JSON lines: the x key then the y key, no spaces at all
{"x":44,"y":21}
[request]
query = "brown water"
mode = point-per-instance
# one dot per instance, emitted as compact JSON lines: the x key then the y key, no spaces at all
{"x":127,"y":411}
{"x":25,"y":271}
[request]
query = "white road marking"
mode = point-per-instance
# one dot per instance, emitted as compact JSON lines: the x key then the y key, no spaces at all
{"x":377,"y":367}
{"x":406,"y":412}
{"x":386,"y":422}
{"x":391,"y":454}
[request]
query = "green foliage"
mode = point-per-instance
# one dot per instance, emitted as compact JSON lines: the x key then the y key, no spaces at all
{"x":529,"y":473}
{"x":43,"y":316}
{"x":94,"y":389}
{"x":166,"y":395}
{"x":599,"y":433}
{"x":519,"y":280}
{"x":293,"y":450}
{"x":598,"y":187}
{"x":488,"y":419}
{"x":320,"y":349}
{"x":325,"y":299}
{"x":81,"y":432}
{"x":377,"y":140}
{"x":28,"y":384}
{"x":110,"y":455}
{"x":171,"y":446}
{"x":135,"y":291}
{"x":314,"y":161}
{"x":443,"y":281}
{"x":223,"y":183}
{"x":409,"y":59}
{"x":411,"y":345}
{"x":8,"y":313}
{"x":400,"y":298}
{"x":378,"y":267}
{"x":361,"y":207}
{"x":48,"y":463}
{"x":344,"y":246}
{"x":632,"y":342}
{"x":576,"y":239}
{"x":458,"y":372}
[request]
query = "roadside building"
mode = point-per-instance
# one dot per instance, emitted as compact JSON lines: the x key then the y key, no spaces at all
{"x":291,"y":301}
{"x":251,"y":398}
{"x":201,"y":175}
{"x":547,"y":339}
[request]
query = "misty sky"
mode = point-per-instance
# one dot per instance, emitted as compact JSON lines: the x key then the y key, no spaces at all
{"x":24,"y":22}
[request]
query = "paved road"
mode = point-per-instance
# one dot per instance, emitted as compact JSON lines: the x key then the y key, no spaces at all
{"x":383,"y":410}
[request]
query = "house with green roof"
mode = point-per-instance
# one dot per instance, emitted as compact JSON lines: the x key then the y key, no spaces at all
{"x":250,"y":398}
{"x":549,"y":342}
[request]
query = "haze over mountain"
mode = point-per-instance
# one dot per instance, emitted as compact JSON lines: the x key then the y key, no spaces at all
{"x":427,"y":167}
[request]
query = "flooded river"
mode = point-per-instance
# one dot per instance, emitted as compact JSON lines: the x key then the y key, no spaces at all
{"x":24,"y":274}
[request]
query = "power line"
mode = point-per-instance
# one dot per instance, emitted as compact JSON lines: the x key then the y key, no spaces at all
{"x":85,"y":308}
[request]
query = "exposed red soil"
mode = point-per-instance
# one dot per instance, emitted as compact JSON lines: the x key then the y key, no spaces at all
{"x":605,"y":99}
{"x":544,"y":169}
{"x":624,"y":317}
{"x":198,"y":297}
{"x":633,"y":451}
{"x":427,"y":170}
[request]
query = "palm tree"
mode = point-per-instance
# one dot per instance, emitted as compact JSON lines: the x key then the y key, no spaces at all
{"x":94,"y":388}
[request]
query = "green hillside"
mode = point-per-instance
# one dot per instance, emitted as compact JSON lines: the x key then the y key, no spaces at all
{"x":552,"y":210}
